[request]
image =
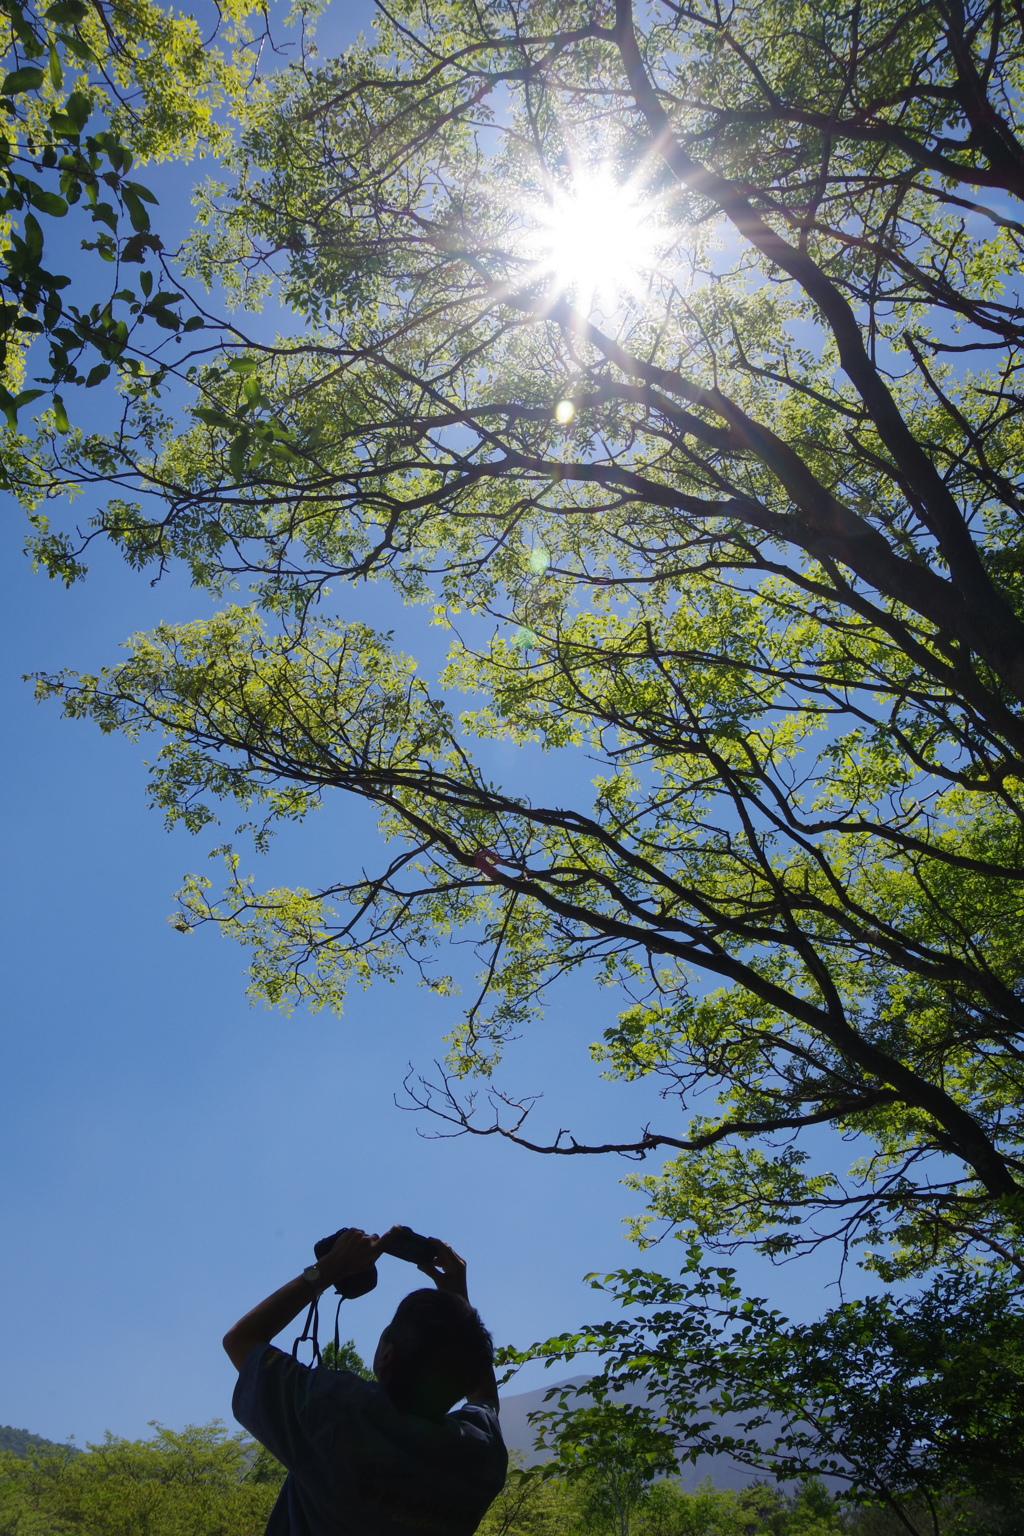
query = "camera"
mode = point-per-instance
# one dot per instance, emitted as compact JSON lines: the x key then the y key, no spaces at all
{"x":401,"y":1243}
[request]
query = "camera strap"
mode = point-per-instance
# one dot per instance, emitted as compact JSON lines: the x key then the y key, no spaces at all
{"x":310,"y":1331}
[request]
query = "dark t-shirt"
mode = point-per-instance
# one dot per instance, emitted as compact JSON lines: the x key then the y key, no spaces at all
{"x":358,"y":1467}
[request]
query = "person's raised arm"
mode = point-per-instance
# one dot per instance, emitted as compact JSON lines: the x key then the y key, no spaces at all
{"x":353,"y":1251}
{"x":448,"y":1272}
{"x":447,"y":1269}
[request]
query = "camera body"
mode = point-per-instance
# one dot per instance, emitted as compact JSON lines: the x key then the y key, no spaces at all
{"x":401,"y":1243}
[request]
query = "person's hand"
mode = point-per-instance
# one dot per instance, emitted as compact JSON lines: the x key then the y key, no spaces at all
{"x":353,"y":1253}
{"x":447,"y":1270}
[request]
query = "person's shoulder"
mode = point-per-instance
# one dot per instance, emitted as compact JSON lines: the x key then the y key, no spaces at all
{"x":342,"y":1397}
{"x":480,"y":1415}
{"x":481,"y":1448}
{"x":346,"y":1384}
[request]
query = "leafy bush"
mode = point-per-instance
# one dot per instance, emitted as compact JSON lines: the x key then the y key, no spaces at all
{"x":200,"y":1481}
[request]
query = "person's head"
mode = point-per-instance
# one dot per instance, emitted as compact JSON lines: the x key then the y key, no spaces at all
{"x":434,"y":1351}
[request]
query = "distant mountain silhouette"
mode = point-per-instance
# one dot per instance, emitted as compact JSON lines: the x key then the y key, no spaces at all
{"x":23,"y":1442}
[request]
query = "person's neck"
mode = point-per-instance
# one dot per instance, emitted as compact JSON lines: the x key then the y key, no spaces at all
{"x":418,"y":1404}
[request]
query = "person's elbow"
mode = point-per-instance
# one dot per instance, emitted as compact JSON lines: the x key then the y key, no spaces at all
{"x":237,"y":1345}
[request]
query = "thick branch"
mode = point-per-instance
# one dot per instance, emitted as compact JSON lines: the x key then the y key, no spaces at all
{"x":996,"y":632}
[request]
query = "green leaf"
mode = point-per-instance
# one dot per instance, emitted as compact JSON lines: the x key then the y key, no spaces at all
{"x":56,"y":73}
{"x":78,"y":108}
{"x":237,"y":454}
{"x":136,"y":212}
{"x":62,"y":125}
{"x":103,"y":213}
{"x":138,"y":190}
{"x":60,"y":415}
{"x":80,"y":49}
{"x":33,"y":236}
{"x":214,"y":418}
{"x":11,"y":404}
{"x":27,"y":78}
{"x":67,"y":12}
{"x":136,"y":246}
{"x":51,"y":203}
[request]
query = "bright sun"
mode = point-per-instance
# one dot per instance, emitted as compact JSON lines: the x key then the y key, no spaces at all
{"x":595,"y":240}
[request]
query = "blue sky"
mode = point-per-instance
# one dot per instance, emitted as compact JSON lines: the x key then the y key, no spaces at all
{"x":169,"y":1154}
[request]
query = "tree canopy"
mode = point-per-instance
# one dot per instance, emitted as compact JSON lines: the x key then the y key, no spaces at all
{"x":737,"y":517}
{"x":88,"y":89}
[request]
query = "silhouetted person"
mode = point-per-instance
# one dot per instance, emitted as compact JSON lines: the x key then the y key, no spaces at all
{"x":385,"y":1457}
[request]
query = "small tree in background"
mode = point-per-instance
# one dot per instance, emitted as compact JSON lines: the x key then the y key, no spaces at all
{"x":345,"y":1357}
{"x":530,"y":1504}
{"x":609,"y":1454}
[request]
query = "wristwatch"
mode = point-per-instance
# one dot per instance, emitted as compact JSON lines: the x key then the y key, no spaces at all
{"x":315,"y":1279}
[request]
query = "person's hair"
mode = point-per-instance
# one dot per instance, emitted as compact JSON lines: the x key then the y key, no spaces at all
{"x":441,"y":1351}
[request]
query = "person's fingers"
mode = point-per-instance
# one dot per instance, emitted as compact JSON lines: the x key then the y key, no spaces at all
{"x":445,"y":1252}
{"x":356,"y":1242}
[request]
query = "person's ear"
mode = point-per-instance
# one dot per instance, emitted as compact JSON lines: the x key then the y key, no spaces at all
{"x":383,"y":1357}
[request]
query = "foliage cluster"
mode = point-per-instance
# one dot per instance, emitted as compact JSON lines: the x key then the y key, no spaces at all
{"x":87,"y":91}
{"x":909,"y":1404}
{"x":535,"y":1504}
{"x":200,"y":1481}
{"x":532,"y":1505}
